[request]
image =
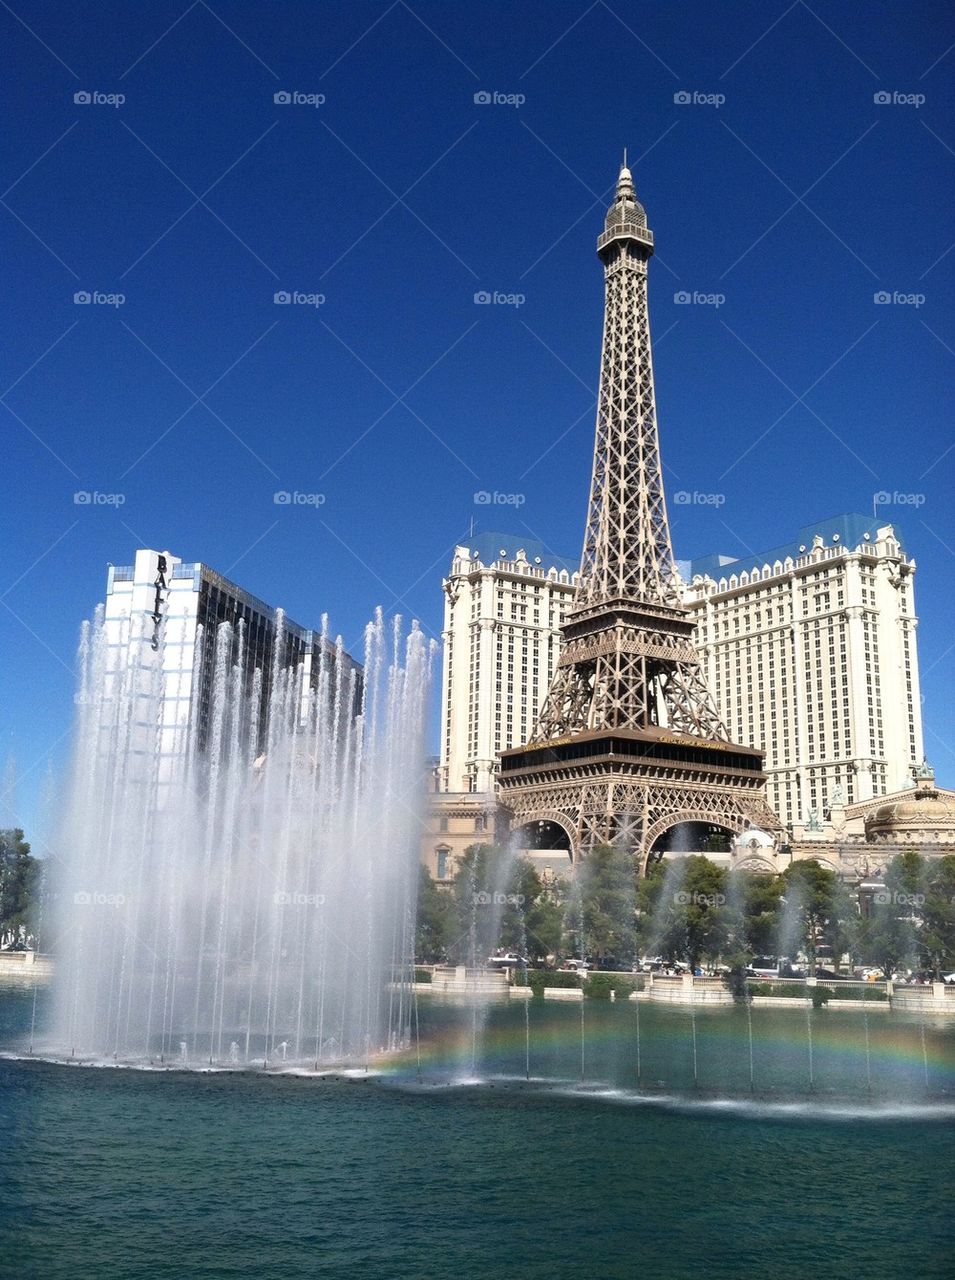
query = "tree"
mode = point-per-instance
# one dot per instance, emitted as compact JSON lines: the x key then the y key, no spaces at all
{"x":682,"y":911}
{"x":19,"y":882}
{"x":905,"y":876}
{"x":752,"y":912}
{"x":607,"y":880}
{"x":888,"y":934}
{"x":435,"y":924}
{"x":936,"y":938}
{"x":817,"y":904}
{"x":498,"y":903}
{"x":886,"y":938}
{"x":545,"y":921}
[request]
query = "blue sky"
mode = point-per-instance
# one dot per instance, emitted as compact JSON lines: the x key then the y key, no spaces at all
{"x":783,"y":196}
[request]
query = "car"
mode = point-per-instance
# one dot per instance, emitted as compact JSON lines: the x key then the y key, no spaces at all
{"x":507,"y":960}
{"x":948,"y":977}
{"x":574,"y":966}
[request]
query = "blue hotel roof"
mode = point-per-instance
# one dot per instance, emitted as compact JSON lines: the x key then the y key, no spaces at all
{"x":850,"y":528}
{"x":489,"y":547}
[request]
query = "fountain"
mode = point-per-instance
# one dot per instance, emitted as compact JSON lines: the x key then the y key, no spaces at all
{"x":249,"y":900}
{"x":237,"y":903}
{"x":574,"y":928}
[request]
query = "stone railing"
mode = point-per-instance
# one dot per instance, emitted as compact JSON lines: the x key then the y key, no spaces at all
{"x":31,"y":965}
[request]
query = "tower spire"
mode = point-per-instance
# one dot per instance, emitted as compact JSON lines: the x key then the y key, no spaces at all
{"x":613,"y":674}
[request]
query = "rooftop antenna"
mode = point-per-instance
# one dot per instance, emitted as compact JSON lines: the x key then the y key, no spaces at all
{"x":625,"y":157}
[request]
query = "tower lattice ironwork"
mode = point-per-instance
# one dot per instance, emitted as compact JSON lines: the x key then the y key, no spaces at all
{"x":629,"y":741}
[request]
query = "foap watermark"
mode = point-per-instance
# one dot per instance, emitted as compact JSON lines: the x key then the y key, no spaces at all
{"x":484,"y":898}
{"x":487,"y":298}
{"x":898,"y":299}
{"x":292,"y":898}
{"x":896,"y":499}
{"x":895,"y":898}
{"x":893,"y":98}
{"x":693,"y":498}
{"x":492,"y":98}
{"x":94,"y":98}
{"x":684,"y":298}
{"x":296,"y":98}
{"x":487,"y":498}
{"x":295,"y":298}
{"x":88,"y":898}
{"x":696,"y":899}
{"x":294,"y":498}
{"x":94,"y":298}
{"x":693,"y":98}
{"x":93,"y":498}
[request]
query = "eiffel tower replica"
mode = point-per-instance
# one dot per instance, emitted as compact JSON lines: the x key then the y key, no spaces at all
{"x":629,"y":742}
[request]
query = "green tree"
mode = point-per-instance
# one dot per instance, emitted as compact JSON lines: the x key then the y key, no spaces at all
{"x":819,"y":905}
{"x":545,"y":921}
{"x":886,"y":939}
{"x":436,"y":923}
{"x":936,"y":938}
{"x":888,"y":934}
{"x":19,"y":882}
{"x":750,"y":920}
{"x":752,"y":912}
{"x":906,"y":875}
{"x":607,"y":880}
{"x":496,"y":901}
{"x":682,"y":910}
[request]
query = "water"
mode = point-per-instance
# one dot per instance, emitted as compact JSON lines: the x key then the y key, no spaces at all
{"x":236,"y":931}
{"x":130,"y":1173}
{"x":219,"y":903}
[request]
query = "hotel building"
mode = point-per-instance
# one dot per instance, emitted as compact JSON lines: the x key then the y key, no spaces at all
{"x":809,"y":650}
{"x":173,"y":609}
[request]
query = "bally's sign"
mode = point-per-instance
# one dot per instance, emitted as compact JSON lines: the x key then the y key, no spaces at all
{"x":160,"y":585}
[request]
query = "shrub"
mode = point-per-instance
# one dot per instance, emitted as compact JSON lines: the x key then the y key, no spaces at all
{"x":794,"y":991}
{"x":538,"y":979}
{"x":599,"y":985}
{"x":848,"y":992}
{"x":596,"y":986}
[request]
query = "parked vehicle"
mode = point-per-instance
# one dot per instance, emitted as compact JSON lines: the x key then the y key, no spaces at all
{"x":507,"y":960}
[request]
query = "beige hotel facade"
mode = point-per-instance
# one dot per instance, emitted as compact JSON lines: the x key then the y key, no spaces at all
{"x":809,"y":649}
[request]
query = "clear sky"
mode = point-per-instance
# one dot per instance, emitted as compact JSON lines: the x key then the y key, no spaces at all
{"x":795,"y":162}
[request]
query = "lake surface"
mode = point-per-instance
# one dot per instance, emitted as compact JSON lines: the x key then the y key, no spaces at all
{"x":453,"y":1164}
